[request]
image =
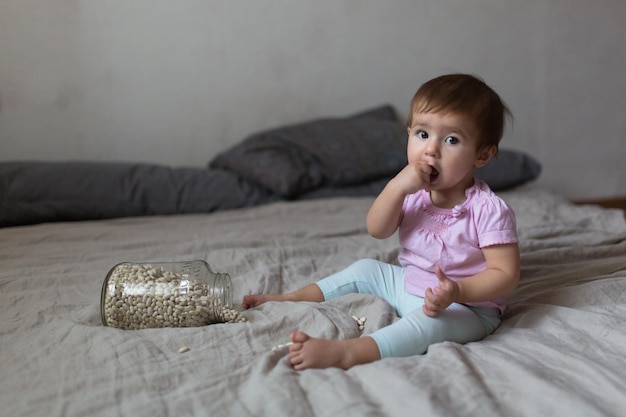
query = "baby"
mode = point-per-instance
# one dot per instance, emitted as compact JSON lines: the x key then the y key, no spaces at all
{"x":459,"y":254}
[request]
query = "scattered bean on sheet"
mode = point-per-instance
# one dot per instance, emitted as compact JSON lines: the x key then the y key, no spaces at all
{"x":360,"y":322}
{"x":142,"y":296}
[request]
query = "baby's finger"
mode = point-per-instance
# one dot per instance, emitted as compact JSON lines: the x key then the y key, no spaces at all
{"x":430,"y":294}
{"x":443,"y":278}
{"x":429,"y":311}
{"x":431,"y":299}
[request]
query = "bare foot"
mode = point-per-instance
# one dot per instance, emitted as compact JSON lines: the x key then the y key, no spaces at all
{"x":255,"y":300}
{"x":309,"y":352}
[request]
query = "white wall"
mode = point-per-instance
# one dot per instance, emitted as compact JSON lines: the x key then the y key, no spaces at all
{"x":176,"y":82}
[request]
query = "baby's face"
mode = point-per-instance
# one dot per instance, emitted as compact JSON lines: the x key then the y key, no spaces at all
{"x":448,"y":143}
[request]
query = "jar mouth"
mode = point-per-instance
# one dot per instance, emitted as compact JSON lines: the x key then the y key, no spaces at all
{"x":227,"y":290}
{"x":222,"y":294}
{"x":103,"y":293}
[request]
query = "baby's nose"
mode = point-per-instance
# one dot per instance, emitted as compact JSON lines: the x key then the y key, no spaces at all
{"x":432,"y":148}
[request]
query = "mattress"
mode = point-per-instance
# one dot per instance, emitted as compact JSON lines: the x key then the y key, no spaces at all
{"x":560,"y":350}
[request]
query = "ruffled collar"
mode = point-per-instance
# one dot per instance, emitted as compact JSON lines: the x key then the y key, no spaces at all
{"x":460,"y":209}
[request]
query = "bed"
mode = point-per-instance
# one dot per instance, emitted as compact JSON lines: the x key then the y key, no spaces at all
{"x":560,"y":351}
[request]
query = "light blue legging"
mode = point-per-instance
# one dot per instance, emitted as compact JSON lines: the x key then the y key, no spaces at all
{"x":415,"y":331}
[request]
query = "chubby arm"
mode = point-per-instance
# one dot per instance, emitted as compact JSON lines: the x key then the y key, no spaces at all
{"x":499,"y":279}
{"x":385,"y":215}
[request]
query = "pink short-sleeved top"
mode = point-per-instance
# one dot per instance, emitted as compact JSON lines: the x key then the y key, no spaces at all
{"x":452,"y":238}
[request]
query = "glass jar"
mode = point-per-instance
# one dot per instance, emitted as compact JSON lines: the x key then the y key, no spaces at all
{"x":164,"y":294}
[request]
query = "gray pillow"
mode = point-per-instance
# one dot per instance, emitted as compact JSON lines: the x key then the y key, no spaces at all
{"x":509,"y":169}
{"x":36,"y":192}
{"x":294,"y":159}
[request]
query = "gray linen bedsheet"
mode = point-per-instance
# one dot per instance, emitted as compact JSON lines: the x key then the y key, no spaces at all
{"x":561,"y":350}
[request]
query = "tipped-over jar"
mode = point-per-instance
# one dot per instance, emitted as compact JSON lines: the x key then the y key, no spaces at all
{"x":164,"y":294}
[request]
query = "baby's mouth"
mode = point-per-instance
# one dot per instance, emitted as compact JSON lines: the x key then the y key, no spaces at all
{"x":433,"y":174}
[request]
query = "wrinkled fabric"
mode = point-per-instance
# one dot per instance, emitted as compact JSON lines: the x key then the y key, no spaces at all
{"x":560,"y":350}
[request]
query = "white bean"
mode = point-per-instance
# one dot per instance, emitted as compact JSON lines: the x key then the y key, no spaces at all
{"x":360,"y":322}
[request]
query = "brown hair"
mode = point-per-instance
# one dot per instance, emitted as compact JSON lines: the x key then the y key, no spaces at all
{"x":466,"y":95}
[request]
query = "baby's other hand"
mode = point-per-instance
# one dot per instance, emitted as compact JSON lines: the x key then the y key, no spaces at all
{"x":438,"y":299}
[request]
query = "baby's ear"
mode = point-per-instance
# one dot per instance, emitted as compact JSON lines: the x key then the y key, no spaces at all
{"x":485,"y":155}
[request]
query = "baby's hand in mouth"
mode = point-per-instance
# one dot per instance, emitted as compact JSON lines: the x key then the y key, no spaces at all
{"x":433,"y":174}
{"x":426,"y":172}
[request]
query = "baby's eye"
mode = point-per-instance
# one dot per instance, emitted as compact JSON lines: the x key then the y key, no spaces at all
{"x":422,"y":134}
{"x":451,"y":140}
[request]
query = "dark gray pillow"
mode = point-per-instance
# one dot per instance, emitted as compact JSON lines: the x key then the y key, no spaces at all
{"x":36,"y":192}
{"x":354,"y":151}
{"x":509,"y":169}
{"x":293,"y":159}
